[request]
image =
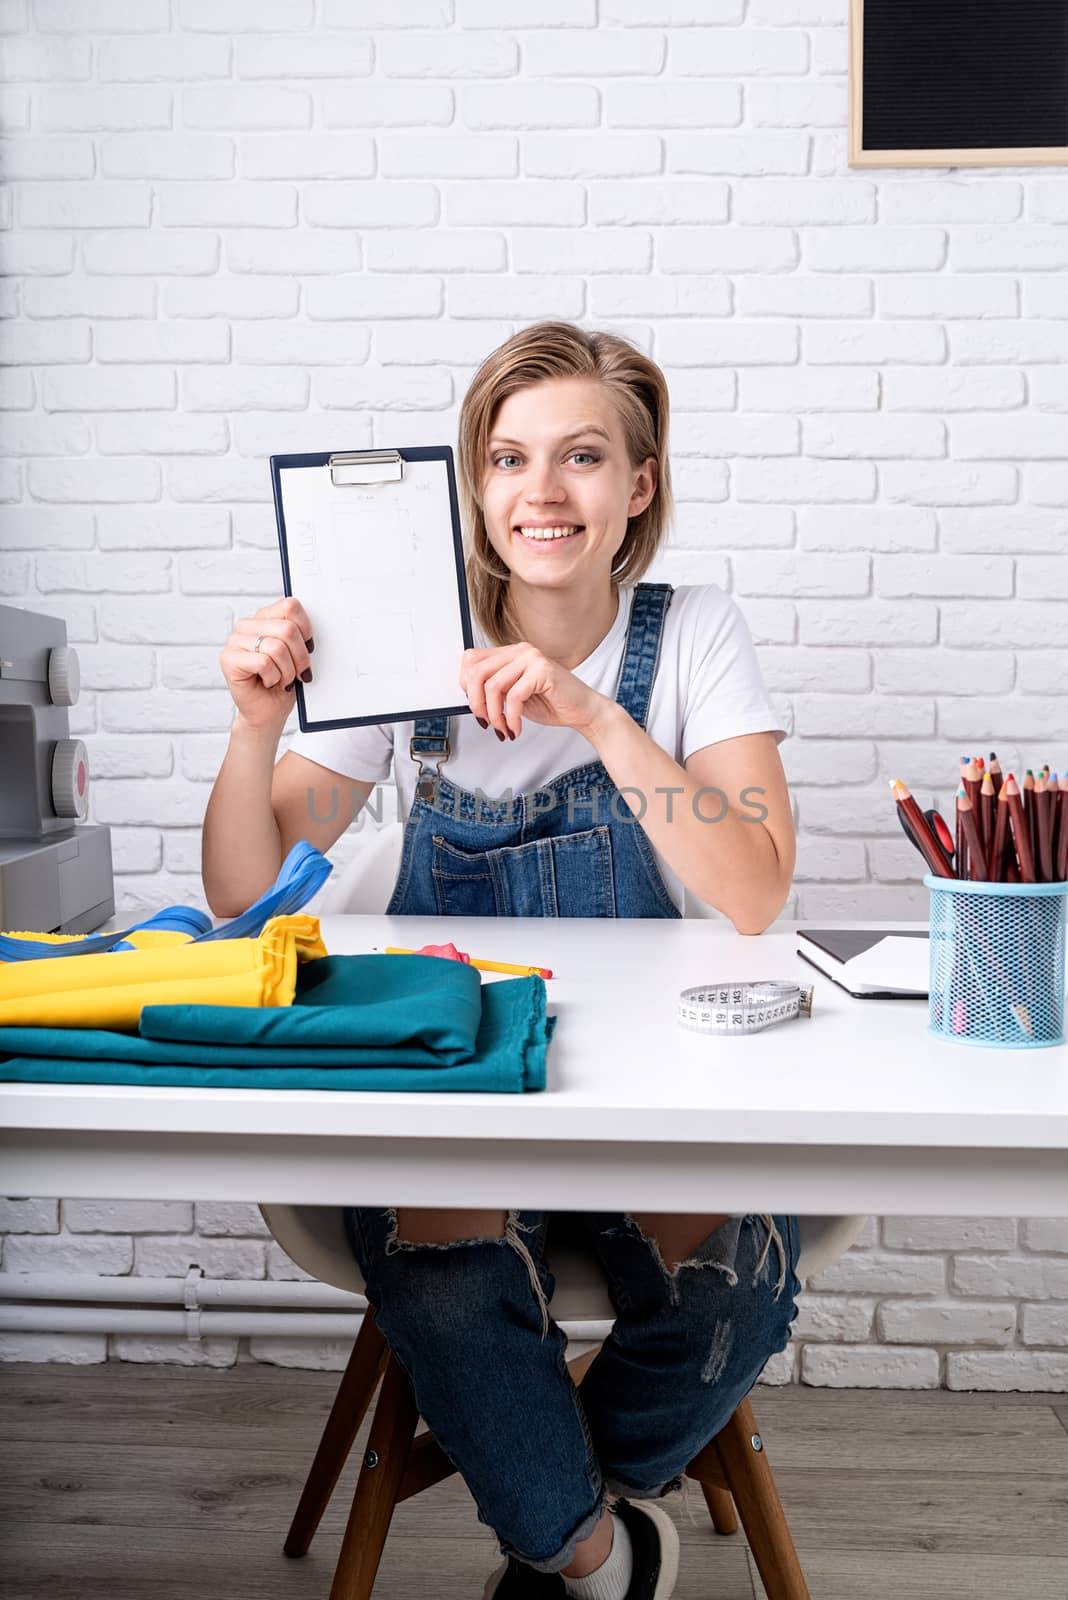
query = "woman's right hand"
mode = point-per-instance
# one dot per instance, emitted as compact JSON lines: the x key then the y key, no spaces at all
{"x":261,"y":680}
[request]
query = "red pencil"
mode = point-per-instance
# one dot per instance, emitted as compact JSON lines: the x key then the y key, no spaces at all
{"x":960,"y":853}
{"x":1062,"y":829}
{"x":994,"y":769}
{"x":987,"y":802}
{"x":995,"y":861}
{"x":976,"y":862}
{"x":925,"y":839}
{"x":1028,"y":796}
{"x":1020,"y":832}
{"x":1044,"y":830}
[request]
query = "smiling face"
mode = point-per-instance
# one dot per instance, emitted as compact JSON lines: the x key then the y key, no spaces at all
{"x":558,"y":487}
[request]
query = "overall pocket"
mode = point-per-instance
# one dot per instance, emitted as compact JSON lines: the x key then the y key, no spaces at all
{"x":569,"y":875}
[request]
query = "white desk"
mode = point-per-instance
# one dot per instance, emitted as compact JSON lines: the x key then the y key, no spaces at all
{"x":853,"y":1110}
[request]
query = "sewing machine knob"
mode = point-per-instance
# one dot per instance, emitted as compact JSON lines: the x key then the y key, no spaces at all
{"x":64,"y":676}
{"x":70,"y":779}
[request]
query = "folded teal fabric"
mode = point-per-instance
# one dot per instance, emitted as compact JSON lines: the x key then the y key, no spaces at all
{"x":411,"y":1010}
{"x":357,"y":1022}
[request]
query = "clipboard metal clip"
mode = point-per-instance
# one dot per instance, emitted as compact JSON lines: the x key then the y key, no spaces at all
{"x":366,"y":466}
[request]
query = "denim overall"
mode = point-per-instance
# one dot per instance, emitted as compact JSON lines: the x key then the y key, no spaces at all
{"x":469,"y":1320}
{"x":573,"y":848}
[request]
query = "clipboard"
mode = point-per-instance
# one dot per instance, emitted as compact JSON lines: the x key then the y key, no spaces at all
{"x":371,"y":545}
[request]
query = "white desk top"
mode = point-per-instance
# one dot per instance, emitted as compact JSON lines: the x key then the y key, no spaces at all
{"x":857,"y":1104}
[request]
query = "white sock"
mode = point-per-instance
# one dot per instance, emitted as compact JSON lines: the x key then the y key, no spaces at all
{"x":611,"y":1580}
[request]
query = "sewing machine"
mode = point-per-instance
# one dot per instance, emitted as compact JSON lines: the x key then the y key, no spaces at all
{"x":55,"y":868}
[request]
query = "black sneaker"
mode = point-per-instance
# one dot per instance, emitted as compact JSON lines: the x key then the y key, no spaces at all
{"x":516,"y":1581}
{"x":654,"y":1540}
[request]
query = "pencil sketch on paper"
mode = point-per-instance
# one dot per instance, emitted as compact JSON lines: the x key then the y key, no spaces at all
{"x":365,"y":550}
{"x":385,"y":641}
{"x":304,"y":551}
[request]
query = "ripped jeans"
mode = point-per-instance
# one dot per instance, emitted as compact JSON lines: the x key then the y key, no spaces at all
{"x":469,"y":1324}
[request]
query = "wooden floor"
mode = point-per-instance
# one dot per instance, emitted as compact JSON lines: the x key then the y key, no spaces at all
{"x":123,"y":1482}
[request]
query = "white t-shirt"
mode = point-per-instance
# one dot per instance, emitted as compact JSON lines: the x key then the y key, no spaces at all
{"x":707,"y":688}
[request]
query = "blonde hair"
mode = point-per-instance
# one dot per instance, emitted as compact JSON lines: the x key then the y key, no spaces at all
{"x":639,"y":392}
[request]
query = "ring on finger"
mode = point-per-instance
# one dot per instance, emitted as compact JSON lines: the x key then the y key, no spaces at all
{"x":259,"y":641}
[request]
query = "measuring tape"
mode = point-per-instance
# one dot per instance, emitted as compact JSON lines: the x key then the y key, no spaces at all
{"x":743,"y":1007}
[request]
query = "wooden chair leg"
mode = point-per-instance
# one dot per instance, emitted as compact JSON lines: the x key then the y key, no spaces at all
{"x":721,"y":1508}
{"x":368,"y":1358}
{"x":580,"y":1365}
{"x":745,"y":1464}
{"x":381,"y":1475}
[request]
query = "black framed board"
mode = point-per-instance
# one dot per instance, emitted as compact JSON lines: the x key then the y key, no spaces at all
{"x":936,"y":83}
{"x":371,"y":542}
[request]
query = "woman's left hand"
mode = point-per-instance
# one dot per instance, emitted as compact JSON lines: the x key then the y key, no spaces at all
{"x":533,"y":686}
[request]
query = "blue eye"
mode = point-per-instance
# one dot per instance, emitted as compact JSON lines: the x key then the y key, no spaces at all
{"x":498,"y":461}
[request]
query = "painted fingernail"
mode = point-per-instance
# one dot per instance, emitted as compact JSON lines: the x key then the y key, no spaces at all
{"x":499,"y":734}
{"x":306,"y":675}
{"x":291,"y":686}
{"x":309,"y":645}
{"x":511,"y":735}
{"x":482,"y":722}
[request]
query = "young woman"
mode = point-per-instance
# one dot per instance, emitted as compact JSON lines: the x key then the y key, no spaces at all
{"x":597,"y":701}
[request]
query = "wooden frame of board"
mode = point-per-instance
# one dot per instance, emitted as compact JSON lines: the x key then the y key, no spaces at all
{"x":971,"y":156}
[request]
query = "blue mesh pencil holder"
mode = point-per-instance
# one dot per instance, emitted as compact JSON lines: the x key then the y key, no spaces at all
{"x":997,"y":963}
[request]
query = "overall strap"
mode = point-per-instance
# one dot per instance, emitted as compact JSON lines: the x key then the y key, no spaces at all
{"x":641,"y":654}
{"x":429,"y":746}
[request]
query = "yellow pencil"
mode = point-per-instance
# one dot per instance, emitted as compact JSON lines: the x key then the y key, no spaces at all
{"x":483,"y":966}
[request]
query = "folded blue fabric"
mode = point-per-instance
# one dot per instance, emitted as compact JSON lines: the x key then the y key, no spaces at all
{"x":302,"y":875}
{"x":357,"y":1022}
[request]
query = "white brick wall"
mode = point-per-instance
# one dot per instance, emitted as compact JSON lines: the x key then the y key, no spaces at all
{"x":232,"y":227}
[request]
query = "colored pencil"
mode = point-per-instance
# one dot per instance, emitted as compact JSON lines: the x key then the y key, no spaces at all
{"x":960,"y":853}
{"x":926,"y":842}
{"x":1043,"y":830}
{"x":972,"y":781}
{"x":483,"y":966}
{"x":1062,"y":829}
{"x":976,"y":860}
{"x":995,"y":861}
{"x":994,"y":769}
{"x":1020,"y":832}
{"x":987,"y":803}
{"x":1027,"y":789}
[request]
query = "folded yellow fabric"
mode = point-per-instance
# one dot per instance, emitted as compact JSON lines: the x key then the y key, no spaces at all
{"x":108,"y":990}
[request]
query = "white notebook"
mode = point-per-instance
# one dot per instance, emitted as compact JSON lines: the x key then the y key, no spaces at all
{"x":371,"y":546}
{"x":869,"y":963}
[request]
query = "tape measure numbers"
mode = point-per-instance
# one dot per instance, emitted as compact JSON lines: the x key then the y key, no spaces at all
{"x":741,"y":1006}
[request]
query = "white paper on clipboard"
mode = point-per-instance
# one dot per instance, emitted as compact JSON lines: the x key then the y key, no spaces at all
{"x":374,"y":565}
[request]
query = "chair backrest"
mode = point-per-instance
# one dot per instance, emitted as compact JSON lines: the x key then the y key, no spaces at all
{"x":314,"y":1237}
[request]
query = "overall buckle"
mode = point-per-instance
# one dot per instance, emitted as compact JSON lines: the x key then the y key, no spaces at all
{"x":427,"y":782}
